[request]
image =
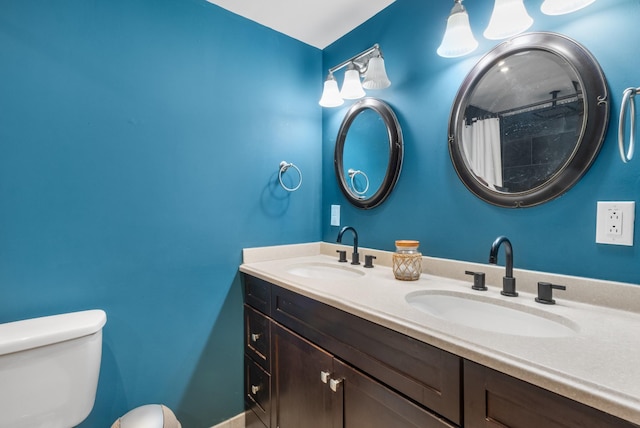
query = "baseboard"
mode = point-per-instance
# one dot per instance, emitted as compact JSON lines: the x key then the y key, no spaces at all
{"x":235,"y":422}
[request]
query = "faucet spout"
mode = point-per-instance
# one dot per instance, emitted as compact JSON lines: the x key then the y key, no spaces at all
{"x":355,"y":259}
{"x":508,"y":281}
{"x":508,"y":253}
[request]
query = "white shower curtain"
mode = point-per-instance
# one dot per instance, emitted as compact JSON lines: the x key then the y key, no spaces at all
{"x":481,"y":144}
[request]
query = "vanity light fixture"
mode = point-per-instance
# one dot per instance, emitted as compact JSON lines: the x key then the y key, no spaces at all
{"x":509,"y":17}
{"x":368,"y":63}
{"x":458,"y":38}
{"x":560,"y":7}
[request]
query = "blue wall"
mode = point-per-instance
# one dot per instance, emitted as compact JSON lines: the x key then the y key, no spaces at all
{"x":139,"y":148}
{"x":430,"y":203}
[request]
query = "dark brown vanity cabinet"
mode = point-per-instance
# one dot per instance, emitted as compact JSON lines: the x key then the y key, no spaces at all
{"x":309,"y":364}
{"x":327,"y":368}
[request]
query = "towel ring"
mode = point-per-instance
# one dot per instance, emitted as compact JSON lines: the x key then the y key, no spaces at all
{"x":352,"y":174}
{"x":628,"y":98}
{"x":284,"y":166}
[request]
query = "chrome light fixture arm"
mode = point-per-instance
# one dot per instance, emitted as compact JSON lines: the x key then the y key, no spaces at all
{"x":360,"y":61}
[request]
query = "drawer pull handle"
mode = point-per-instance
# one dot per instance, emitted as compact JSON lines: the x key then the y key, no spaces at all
{"x":334,"y":384}
{"x":255,"y":389}
{"x":324,"y":376}
{"x":255,"y":337}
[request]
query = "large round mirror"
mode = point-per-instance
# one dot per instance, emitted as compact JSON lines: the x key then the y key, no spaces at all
{"x":528,"y":120}
{"x":368,"y":153}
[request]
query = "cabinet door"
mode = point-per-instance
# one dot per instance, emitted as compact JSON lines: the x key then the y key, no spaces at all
{"x":300,"y":397}
{"x":493,"y":399}
{"x":370,"y":404}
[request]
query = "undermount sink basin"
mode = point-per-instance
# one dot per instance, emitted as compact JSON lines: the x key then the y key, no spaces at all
{"x":492,"y":315}
{"x":324,"y":270}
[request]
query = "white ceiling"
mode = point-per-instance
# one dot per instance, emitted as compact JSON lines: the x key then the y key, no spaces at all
{"x":315,"y":22}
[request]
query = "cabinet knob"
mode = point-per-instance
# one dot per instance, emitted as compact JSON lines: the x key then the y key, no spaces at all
{"x":255,"y":389}
{"x":334,"y":384}
{"x":324,"y":376}
{"x":255,"y":337}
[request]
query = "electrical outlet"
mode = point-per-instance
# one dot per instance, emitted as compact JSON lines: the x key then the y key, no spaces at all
{"x":614,"y":223}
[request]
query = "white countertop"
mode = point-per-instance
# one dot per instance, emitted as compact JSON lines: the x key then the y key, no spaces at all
{"x":598,"y":365}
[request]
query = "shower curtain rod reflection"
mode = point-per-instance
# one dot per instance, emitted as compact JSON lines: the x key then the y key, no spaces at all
{"x":539,"y":105}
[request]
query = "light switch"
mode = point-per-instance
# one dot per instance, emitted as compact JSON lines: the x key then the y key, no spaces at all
{"x":335,"y":215}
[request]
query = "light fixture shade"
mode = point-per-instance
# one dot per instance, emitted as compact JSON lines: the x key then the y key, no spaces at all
{"x":331,"y":95}
{"x":351,"y":87}
{"x":509,"y":18}
{"x":560,"y":7}
{"x":376,"y":75}
{"x":458,"y":39}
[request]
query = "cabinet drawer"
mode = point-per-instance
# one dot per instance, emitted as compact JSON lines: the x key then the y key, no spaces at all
{"x":496,"y":400}
{"x":257,"y":337}
{"x":257,"y":293}
{"x":427,"y":375}
{"x":257,"y":390}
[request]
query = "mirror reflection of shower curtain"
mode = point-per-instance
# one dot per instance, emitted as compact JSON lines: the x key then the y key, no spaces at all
{"x":481,"y":143}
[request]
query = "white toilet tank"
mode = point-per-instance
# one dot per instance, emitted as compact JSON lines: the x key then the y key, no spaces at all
{"x":49,"y":369}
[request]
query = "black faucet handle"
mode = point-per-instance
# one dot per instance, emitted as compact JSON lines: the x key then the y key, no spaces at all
{"x":545,"y":292}
{"x":368,"y":260}
{"x":342,"y":256}
{"x":478,"y":280}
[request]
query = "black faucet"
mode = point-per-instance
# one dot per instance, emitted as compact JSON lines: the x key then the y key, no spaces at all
{"x":508,"y":281}
{"x":355,"y":257}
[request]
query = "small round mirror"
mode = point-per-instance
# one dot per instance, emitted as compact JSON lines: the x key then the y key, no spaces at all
{"x":368,"y":153}
{"x":528,"y":120}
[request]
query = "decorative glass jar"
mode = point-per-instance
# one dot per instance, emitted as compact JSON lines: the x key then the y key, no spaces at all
{"x":407,"y":260}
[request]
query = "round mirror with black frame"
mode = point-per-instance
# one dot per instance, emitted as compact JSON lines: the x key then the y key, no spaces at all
{"x":368,"y":153}
{"x":528,"y":120}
